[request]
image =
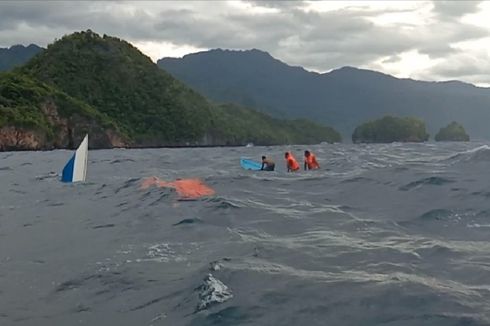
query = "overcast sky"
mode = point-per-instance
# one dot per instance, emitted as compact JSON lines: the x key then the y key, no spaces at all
{"x":429,"y":40}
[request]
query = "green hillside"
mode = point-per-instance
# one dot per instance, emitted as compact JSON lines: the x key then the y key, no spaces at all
{"x":118,"y":80}
{"x":239,"y":125}
{"x":121,"y":93}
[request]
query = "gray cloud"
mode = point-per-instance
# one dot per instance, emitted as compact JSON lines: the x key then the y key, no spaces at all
{"x":277,"y":4}
{"x":455,"y":9}
{"x":316,"y":40}
{"x":465,"y":66}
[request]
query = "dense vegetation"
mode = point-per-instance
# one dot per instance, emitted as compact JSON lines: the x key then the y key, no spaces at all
{"x":391,"y":129}
{"x":112,"y":86}
{"x":17,"y":55}
{"x":343,"y":98}
{"x":239,"y":125}
{"x":28,"y":104}
{"x":452,"y":132}
{"x":118,"y":80}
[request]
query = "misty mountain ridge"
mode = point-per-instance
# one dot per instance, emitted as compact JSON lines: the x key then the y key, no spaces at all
{"x":17,"y":55}
{"x":342,"y":98}
{"x":249,"y":55}
{"x":25,"y":53}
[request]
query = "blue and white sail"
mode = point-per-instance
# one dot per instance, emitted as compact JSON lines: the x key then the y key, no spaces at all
{"x":76,"y":168}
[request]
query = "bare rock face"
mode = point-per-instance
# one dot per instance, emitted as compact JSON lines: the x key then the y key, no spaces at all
{"x":115,"y":140}
{"x":68,"y":132}
{"x":62,"y":137}
{"x":12,"y":138}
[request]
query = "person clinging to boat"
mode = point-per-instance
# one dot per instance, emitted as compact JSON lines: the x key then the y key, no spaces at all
{"x":267,"y":164}
{"x":291,"y":163}
{"x":310,"y":161}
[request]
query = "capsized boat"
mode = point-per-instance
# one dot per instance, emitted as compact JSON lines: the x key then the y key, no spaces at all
{"x":248,"y":164}
{"x":75,"y":169}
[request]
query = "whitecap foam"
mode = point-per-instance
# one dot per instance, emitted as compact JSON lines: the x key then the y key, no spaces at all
{"x":212,"y":292}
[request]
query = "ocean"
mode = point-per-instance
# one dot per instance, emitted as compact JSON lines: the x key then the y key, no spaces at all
{"x":395,"y":234}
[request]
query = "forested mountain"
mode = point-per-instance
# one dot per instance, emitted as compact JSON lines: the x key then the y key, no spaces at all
{"x":103,"y":85}
{"x":342,"y":98}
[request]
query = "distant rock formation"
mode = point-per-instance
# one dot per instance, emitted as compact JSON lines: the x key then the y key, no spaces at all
{"x":452,"y":132}
{"x":391,"y":129}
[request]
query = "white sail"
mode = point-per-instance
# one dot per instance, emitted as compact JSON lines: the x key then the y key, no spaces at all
{"x":81,"y":160}
{"x":75,"y":169}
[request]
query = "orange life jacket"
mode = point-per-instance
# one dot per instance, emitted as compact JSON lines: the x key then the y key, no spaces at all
{"x":292,"y":164}
{"x":186,"y":188}
{"x":311,"y":162}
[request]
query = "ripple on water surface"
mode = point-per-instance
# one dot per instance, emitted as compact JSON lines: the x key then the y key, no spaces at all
{"x":393,"y":234}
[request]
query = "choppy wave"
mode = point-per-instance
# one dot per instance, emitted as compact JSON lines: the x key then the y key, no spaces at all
{"x":436,"y":181}
{"x":392,"y":234}
{"x":475,"y":155}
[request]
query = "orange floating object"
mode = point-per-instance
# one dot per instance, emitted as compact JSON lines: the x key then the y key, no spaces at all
{"x":186,"y":188}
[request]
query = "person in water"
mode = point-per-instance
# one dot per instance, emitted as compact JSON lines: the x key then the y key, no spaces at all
{"x":310,"y":161}
{"x":291,"y":163}
{"x":267,"y":164}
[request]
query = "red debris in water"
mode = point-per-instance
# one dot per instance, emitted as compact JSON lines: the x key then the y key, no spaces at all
{"x":186,"y":188}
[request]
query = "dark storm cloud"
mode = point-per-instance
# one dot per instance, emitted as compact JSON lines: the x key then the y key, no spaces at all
{"x":333,"y":39}
{"x":320,"y":40}
{"x":56,"y":18}
{"x":189,"y":27}
{"x":53,"y":14}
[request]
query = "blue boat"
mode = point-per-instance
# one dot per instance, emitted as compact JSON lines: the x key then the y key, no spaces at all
{"x":248,"y":164}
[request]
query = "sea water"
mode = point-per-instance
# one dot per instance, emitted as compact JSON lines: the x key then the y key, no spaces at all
{"x":395,"y":234}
